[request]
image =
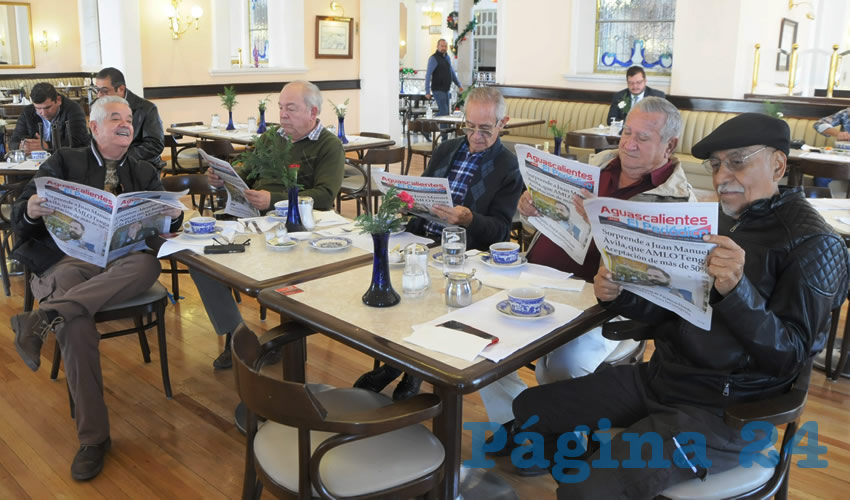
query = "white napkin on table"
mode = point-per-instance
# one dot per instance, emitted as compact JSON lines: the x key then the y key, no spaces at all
{"x":328,"y":218}
{"x":843,"y":220}
{"x":452,"y":342}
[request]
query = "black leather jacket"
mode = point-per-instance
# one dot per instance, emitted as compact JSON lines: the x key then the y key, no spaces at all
{"x":148,"y":136}
{"x":69,"y":121}
{"x":764,"y":330}
{"x":34,"y":246}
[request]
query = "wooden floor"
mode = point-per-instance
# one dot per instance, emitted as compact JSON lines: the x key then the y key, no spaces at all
{"x":187,"y":447}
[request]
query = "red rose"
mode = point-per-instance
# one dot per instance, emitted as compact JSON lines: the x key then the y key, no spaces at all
{"x":407,"y":198}
{"x":295,"y":165}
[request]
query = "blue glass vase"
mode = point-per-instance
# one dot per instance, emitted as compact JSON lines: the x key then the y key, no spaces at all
{"x":340,"y":131}
{"x":262,"y":127}
{"x":380,"y":292}
{"x":558,"y":145}
{"x":293,"y":216}
{"x":230,"y":121}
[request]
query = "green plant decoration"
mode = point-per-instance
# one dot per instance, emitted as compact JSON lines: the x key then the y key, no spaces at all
{"x":228,"y":98}
{"x":270,"y":159}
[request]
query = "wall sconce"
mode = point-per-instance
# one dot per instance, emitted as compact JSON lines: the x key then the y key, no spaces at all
{"x":44,"y":42}
{"x":336,"y":6}
{"x":174,"y":21}
{"x":809,"y":14}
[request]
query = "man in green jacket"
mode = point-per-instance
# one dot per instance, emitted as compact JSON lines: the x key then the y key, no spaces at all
{"x":321,"y":157}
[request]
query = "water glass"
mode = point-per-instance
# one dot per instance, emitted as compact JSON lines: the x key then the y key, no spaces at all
{"x":454,"y":248}
{"x":252,"y":124}
{"x":215,"y":122}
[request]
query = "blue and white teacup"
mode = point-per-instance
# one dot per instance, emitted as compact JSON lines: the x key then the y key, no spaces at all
{"x":527,"y":301}
{"x":39,"y":155}
{"x":504,"y":252}
{"x":281,"y":208}
{"x":200,"y":225}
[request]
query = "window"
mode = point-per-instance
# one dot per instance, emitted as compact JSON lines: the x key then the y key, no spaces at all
{"x":634,"y":33}
{"x":258,"y":32}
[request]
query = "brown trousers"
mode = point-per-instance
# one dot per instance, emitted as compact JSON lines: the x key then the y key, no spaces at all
{"x":77,"y":290}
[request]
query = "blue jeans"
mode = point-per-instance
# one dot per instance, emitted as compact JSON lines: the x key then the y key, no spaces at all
{"x":442,"y":98}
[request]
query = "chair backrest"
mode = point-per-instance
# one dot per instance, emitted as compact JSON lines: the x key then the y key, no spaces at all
{"x":218,"y":148}
{"x":195,"y":183}
{"x":186,"y":124}
{"x":384,"y":156}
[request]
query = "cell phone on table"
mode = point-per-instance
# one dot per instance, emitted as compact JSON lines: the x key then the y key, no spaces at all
{"x":461,"y":327}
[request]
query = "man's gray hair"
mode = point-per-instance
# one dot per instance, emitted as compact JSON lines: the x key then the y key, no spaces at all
{"x":312,"y":94}
{"x":98,"y":109}
{"x":672,"y":125}
{"x":491,"y":96}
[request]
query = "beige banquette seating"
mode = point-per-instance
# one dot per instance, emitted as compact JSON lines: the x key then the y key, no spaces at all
{"x":15,"y":83}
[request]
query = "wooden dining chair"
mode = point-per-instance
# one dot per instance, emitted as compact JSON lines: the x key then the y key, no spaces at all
{"x":375,"y":135}
{"x":328,"y":442}
{"x":185,"y":152}
{"x":8,"y":194}
{"x":428,"y":130}
{"x":358,"y":183}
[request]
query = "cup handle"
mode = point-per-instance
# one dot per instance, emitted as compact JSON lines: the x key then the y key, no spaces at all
{"x":186,"y":226}
{"x":480,"y":285}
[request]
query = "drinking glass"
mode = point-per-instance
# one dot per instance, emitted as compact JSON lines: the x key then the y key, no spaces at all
{"x":252,"y":124}
{"x":214,"y":121}
{"x":454,"y":248}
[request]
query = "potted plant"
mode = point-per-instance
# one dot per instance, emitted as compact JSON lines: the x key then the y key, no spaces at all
{"x":340,"y":111}
{"x":228,"y":100}
{"x":270,"y":159}
{"x":262,"y":108}
{"x":559,"y":133}
{"x":380,"y":225}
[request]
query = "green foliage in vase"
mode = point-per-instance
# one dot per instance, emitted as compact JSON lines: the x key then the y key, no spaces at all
{"x":386,"y":219}
{"x":270,"y":159}
{"x":263,"y":102}
{"x":228,"y":98}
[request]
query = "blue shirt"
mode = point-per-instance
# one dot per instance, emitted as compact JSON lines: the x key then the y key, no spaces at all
{"x":432,"y":65}
{"x":464,"y":165}
{"x":45,"y":128}
{"x":842,"y":119}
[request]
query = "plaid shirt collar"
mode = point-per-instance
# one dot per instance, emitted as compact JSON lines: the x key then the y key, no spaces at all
{"x":313,"y":135}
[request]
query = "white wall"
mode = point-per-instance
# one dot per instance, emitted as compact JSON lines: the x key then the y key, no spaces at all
{"x":120,"y":36}
{"x":379,"y":28}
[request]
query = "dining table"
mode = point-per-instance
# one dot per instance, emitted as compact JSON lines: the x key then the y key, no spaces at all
{"x":332,"y":306}
{"x":19,"y":171}
{"x":244,"y":136}
{"x":596,"y":138}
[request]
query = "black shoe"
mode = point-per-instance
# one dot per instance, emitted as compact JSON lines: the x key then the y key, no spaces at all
{"x":509,"y":441}
{"x":224,"y":361}
{"x":31,"y":329}
{"x":89,"y":460}
{"x":407,"y":388}
{"x":378,"y":378}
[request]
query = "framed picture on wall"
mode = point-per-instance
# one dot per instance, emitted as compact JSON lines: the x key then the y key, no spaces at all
{"x":333,"y":37}
{"x":435,"y":29}
{"x":787,"y":38}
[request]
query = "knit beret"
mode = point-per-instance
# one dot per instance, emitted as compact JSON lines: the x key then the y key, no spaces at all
{"x":747,"y":129}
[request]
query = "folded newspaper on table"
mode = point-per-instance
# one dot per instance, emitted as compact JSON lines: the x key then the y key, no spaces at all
{"x":98,"y":227}
{"x":656,"y":251}
{"x":554,"y":184}
{"x":237,"y":203}
{"x":426,"y":192}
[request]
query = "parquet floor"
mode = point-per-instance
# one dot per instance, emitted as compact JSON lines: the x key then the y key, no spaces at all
{"x":187,"y":447}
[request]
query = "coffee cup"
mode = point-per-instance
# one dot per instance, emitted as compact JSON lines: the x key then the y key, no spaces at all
{"x":504,"y":252}
{"x":39,"y":155}
{"x":281,"y":208}
{"x":200,"y":225}
{"x":526,"y":301}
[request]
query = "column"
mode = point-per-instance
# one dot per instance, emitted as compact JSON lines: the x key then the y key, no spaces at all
{"x":379,"y":84}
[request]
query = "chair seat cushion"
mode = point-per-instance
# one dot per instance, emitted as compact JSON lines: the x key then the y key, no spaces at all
{"x":422,"y":147}
{"x":356,"y":468}
{"x":154,"y":293}
{"x":726,"y":484}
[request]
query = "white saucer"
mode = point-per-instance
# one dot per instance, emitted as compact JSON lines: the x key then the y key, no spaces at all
{"x":190,"y":234}
{"x":330,"y":243}
{"x":504,"y":307}
{"x":287,"y":245}
{"x":487,"y":260}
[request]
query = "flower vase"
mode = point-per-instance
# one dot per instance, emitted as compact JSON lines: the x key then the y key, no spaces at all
{"x":293,"y":216}
{"x":262,"y":127}
{"x":230,"y":121}
{"x":380,"y":292}
{"x":558,"y":145}
{"x":340,"y":131}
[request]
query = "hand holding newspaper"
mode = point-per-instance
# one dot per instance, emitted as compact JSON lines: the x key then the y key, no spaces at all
{"x":554,"y":182}
{"x":98,"y":227}
{"x":237,"y":203}
{"x":426,"y":192}
{"x":656,"y":251}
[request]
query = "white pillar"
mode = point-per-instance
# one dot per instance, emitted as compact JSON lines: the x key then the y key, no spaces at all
{"x":465,"y":54}
{"x":120,"y":40}
{"x":379,"y":84}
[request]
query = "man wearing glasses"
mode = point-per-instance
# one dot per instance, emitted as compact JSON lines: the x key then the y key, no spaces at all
{"x":485,"y":183}
{"x":148,"y":138}
{"x":778,"y":269}
{"x":625,"y":100}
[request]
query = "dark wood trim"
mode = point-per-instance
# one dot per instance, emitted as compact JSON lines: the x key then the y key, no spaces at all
{"x":176,"y":91}
{"x":836,"y":93}
{"x":35,"y":76}
{"x":798,"y":108}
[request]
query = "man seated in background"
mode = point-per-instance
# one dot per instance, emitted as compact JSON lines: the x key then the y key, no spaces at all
{"x":625,"y":100}
{"x":148,"y":138}
{"x":321,"y":158}
{"x":71,"y":291}
{"x":50,"y":122}
{"x":485,"y":184}
{"x":778,"y":270}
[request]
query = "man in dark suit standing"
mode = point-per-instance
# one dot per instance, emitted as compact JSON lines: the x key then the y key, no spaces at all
{"x":625,"y":99}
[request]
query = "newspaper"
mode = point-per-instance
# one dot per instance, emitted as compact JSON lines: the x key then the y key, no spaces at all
{"x":98,"y":227}
{"x":554,"y":182}
{"x":426,"y":192}
{"x":656,"y":251}
{"x":237,"y":204}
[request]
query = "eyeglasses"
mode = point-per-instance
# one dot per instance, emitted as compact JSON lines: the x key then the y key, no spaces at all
{"x":104,"y":91}
{"x":735,"y":163}
{"x":486,"y":132}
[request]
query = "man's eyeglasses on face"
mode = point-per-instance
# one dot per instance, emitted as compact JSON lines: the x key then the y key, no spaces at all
{"x":103,"y":91}
{"x":735,"y":162}
{"x":485,"y":131}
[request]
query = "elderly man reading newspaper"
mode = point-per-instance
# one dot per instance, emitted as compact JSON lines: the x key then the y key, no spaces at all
{"x":778,"y":271}
{"x":70,"y":291}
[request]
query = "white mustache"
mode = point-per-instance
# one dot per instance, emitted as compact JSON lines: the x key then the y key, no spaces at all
{"x":729,"y":189}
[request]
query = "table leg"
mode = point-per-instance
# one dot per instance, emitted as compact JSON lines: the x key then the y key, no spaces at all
{"x":448,"y":428}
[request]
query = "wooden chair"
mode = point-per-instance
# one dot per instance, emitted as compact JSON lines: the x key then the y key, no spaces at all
{"x":427,"y":129}
{"x":182,"y":151}
{"x":375,"y":135}
{"x":221,"y":149}
{"x":8,"y":194}
{"x":334,"y":443}
{"x":358,"y":184}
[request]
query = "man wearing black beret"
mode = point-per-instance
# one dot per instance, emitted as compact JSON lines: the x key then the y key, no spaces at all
{"x":778,"y":271}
